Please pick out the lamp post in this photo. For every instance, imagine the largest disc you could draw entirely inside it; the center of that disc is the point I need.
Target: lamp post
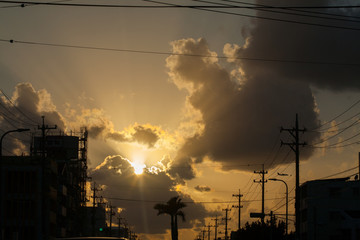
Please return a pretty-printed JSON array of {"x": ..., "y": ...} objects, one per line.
[
  {"x": 1, "y": 188},
  {"x": 287, "y": 201},
  {"x": 15, "y": 130}
]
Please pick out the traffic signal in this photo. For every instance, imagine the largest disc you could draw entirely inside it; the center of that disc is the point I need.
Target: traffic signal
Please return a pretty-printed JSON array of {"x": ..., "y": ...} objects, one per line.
[{"x": 101, "y": 229}]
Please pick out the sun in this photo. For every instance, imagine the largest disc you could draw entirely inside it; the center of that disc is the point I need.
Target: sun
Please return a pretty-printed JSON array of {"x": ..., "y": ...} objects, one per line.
[
  {"x": 138, "y": 168},
  {"x": 138, "y": 163}
]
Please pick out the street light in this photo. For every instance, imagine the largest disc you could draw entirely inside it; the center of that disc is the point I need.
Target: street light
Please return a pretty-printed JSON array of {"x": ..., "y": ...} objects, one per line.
[
  {"x": 287, "y": 200},
  {"x": 15, "y": 130},
  {"x": 1, "y": 188}
]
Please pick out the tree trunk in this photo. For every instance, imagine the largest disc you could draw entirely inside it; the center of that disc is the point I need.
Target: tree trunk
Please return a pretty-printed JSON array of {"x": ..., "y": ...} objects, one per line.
[
  {"x": 172, "y": 228},
  {"x": 176, "y": 235}
]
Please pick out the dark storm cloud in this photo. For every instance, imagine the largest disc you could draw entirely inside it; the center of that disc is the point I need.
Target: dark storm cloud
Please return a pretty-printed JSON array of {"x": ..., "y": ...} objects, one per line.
[
  {"x": 145, "y": 135},
  {"x": 139, "y": 194},
  {"x": 202, "y": 188},
  {"x": 304, "y": 43},
  {"x": 241, "y": 121}
]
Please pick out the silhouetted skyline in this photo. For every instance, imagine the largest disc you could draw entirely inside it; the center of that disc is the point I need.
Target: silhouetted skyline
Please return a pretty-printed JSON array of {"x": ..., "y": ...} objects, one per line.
[{"x": 198, "y": 122}]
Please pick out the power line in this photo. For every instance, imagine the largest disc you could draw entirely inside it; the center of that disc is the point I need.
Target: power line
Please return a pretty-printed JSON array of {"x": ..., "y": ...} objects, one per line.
[
  {"x": 187, "y": 202},
  {"x": 324, "y": 130},
  {"x": 18, "y": 109},
  {"x": 30, "y": 5},
  {"x": 351, "y": 64},
  {"x": 335, "y": 144},
  {"x": 343, "y": 130},
  {"x": 338, "y": 173},
  {"x": 265, "y": 8},
  {"x": 339, "y": 115},
  {"x": 60, "y": 3},
  {"x": 262, "y": 17},
  {"x": 294, "y": 9}
]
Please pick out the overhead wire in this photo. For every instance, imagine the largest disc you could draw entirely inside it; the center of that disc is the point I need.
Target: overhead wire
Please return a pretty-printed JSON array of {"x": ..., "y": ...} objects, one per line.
[
  {"x": 12, "y": 41},
  {"x": 338, "y": 173},
  {"x": 293, "y": 9},
  {"x": 337, "y": 116},
  {"x": 336, "y": 145},
  {"x": 21, "y": 4},
  {"x": 338, "y": 133},
  {"x": 325, "y": 130},
  {"x": 267, "y": 8},
  {"x": 168, "y": 5},
  {"x": 18, "y": 109},
  {"x": 262, "y": 17}
]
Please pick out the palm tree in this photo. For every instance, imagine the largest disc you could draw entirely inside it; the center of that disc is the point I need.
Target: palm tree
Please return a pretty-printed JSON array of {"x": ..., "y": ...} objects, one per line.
[{"x": 173, "y": 208}]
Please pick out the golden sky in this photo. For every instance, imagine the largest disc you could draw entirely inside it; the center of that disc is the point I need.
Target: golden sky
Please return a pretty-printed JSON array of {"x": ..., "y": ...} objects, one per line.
[{"x": 198, "y": 122}]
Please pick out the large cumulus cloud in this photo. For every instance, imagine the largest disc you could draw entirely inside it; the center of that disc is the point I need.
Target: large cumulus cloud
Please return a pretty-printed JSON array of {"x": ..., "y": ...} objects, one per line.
[
  {"x": 137, "y": 194},
  {"x": 241, "y": 117},
  {"x": 273, "y": 40},
  {"x": 24, "y": 109}
]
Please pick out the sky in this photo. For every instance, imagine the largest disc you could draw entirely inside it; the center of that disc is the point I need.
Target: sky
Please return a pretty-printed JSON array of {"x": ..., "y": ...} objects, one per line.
[{"x": 187, "y": 102}]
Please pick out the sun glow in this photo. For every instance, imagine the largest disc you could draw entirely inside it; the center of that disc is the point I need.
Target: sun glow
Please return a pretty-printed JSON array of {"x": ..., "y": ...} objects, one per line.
[
  {"x": 138, "y": 164},
  {"x": 138, "y": 168}
]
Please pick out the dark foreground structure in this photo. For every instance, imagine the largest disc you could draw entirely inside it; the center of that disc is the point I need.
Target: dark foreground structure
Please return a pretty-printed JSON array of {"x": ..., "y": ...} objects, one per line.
[
  {"x": 330, "y": 209},
  {"x": 43, "y": 195}
]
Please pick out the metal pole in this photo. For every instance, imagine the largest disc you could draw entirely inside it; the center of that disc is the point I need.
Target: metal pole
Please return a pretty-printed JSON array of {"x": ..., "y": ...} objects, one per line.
[
  {"x": 287, "y": 201},
  {"x": 2, "y": 191},
  {"x": 297, "y": 188}
]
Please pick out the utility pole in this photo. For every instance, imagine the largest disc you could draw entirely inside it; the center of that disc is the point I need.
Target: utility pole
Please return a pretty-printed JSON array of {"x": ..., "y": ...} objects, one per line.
[
  {"x": 93, "y": 217},
  {"x": 359, "y": 167},
  {"x": 203, "y": 234},
  {"x": 43, "y": 129},
  {"x": 208, "y": 231},
  {"x": 294, "y": 132},
  {"x": 226, "y": 222},
  {"x": 238, "y": 206},
  {"x": 119, "y": 218},
  {"x": 262, "y": 181},
  {"x": 215, "y": 226},
  {"x": 111, "y": 214}
]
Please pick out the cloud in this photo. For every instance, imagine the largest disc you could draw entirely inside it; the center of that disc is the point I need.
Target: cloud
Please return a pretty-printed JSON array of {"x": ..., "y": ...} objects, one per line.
[
  {"x": 24, "y": 109},
  {"x": 303, "y": 43},
  {"x": 137, "y": 194},
  {"x": 202, "y": 188},
  {"x": 145, "y": 135},
  {"x": 241, "y": 117},
  {"x": 101, "y": 127}
]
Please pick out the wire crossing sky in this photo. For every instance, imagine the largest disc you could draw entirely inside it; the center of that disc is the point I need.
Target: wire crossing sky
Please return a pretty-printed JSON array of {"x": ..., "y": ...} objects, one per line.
[{"x": 187, "y": 98}]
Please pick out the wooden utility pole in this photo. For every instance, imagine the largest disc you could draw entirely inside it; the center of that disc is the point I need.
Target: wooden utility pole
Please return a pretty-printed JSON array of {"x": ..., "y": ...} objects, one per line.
[
  {"x": 238, "y": 206},
  {"x": 226, "y": 221},
  {"x": 119, "y": 218},
  {"x": 203, "y": 234},
  {"x": 262, "y": 181},
  {"x": 216, "y": 226},
  {"x": 111, "y": 213},
  {"x": 294, "y": 132},
  {"x": 43, "y": 129},
  {"x": 208, "y": 231}
]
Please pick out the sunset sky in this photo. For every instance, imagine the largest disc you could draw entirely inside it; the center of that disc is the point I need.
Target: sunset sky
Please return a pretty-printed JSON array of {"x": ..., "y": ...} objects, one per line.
[{"x": 196, "y": 123}]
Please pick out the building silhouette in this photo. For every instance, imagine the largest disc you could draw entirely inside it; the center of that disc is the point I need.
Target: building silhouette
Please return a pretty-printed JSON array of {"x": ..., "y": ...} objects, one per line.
[
  {"x": 44, "y": 194},
  {"x": 29, "y": 198},
  {"x": 330, "y": 209}
]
